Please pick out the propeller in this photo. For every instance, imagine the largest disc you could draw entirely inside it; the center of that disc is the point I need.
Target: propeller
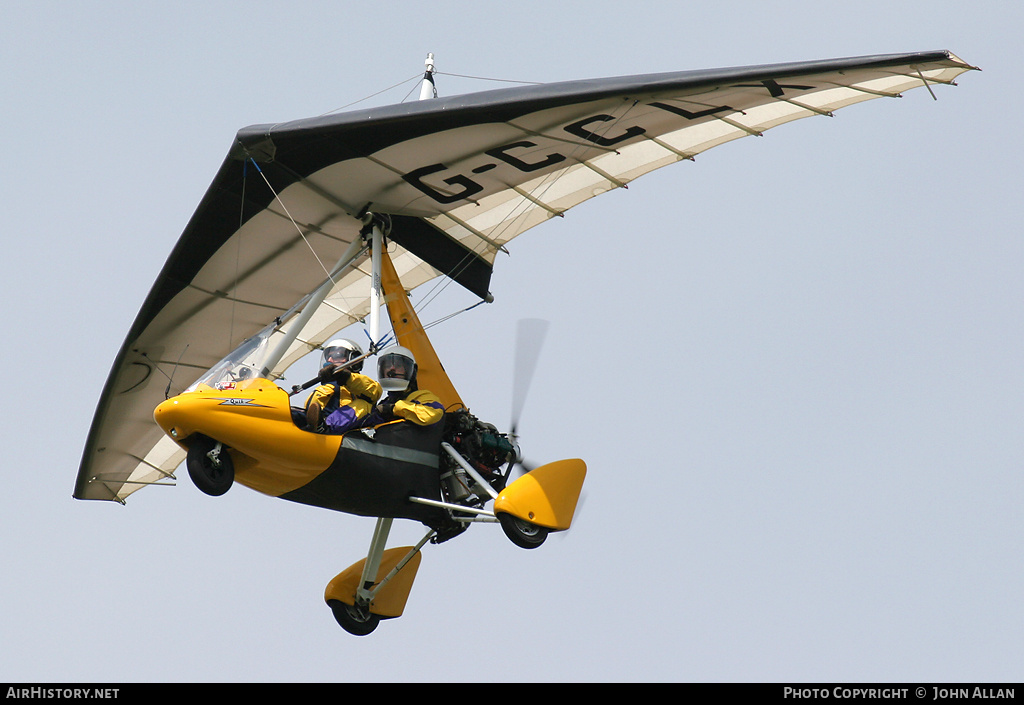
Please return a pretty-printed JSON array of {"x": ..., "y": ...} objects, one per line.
[{"x": 530, "y": 334}]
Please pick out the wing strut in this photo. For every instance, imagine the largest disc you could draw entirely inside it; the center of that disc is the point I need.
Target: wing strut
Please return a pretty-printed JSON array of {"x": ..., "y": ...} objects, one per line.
[
  {"x": 368, "y": 585},
  {"x": 354, "y": 250},
  {"x": 376, "y": 253}
]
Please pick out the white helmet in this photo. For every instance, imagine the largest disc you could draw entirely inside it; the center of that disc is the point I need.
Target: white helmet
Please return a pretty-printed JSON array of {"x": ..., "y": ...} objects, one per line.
[
  {"x": 339, "y": 351},
  {"x": 396, "y": 368}
]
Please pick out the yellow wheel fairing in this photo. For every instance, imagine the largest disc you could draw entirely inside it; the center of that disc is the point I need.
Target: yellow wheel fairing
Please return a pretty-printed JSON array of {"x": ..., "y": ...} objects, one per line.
[
  {"x": 390, "y": 601},
  {"x": 272, "y": 455},
  {"x": 546, "y": 496}
]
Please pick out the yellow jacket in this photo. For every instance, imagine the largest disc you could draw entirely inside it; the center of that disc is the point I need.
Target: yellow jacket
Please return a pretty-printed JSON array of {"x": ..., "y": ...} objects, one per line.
[
  {"x": 421, "y": 407},
  {"x": 336, "y": 407}
]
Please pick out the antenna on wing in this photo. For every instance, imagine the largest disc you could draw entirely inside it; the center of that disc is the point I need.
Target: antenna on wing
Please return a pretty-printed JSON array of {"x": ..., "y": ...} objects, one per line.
[
  {"x": 170, "y": 377},
  {"x": 427, "y": 88}
]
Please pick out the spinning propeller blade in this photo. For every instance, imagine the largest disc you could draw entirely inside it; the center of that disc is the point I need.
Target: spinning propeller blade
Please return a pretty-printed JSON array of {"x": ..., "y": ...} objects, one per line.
[{"x": 530, "y": 334}]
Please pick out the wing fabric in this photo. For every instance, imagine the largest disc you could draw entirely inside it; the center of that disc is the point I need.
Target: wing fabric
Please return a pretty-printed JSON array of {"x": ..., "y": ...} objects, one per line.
[{"x": 459, "y": 178}]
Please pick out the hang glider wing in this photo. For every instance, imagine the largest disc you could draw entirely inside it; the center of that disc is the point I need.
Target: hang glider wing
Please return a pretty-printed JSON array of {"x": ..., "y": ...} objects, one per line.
[{"x": 459, "y": 178}]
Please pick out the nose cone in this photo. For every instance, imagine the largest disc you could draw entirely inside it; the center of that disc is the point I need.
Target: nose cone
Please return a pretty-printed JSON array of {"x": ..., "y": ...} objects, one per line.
[{"x": 172, "y": 416}]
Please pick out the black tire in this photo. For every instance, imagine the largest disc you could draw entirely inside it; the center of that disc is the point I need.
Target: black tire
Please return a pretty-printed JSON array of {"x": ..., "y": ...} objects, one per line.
[
  {"x": 212, "y": 478},
  {"x": 522, "y": 533},
  {"x": 354, "y": 620}
]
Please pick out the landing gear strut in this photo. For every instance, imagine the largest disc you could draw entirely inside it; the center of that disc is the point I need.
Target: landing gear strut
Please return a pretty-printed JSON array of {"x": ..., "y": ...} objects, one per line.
[
  {"x": 210, "y": 466},
  {"x": 353, "y": 619},
  {"x": 522, "y": 533}
]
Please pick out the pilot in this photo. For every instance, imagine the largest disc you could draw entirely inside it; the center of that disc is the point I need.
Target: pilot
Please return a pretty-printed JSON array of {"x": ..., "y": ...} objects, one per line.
[
  {"x": 345, "y": 397},
  {"x": 396, "y": 370}
]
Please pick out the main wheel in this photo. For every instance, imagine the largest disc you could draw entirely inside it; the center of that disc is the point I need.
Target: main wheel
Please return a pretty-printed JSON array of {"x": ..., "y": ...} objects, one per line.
[
  {"x": 354, "y": 620},
  {"x": 522, "y": 533},
  {"x": 213, "y": 475}
]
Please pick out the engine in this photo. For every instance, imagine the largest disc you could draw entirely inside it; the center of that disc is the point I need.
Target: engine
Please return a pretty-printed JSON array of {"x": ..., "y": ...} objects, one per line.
[{"x": 484, "y": 448}]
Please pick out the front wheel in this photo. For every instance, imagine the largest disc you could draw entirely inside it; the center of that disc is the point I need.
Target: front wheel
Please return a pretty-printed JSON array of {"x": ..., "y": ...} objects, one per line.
[
  {"x": 210, "y": 466},
  {"x": 522, "y": 533},
  {"x": 354, "y": 620}
]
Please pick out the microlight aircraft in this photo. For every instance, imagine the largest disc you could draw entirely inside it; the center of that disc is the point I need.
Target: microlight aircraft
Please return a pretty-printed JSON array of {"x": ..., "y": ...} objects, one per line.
[{"x": 395, "y": 197}]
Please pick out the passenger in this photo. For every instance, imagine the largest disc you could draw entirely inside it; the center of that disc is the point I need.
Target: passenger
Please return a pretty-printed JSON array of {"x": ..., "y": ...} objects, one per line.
[
  {"x": 396, "y": 370},
  {"x": 345, "y": 397}
]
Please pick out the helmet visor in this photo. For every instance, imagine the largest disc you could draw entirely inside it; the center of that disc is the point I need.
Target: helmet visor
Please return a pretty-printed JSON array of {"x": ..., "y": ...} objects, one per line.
[
  {"x": 338, "y": 355},
  {"x": 395, "y": 366}
]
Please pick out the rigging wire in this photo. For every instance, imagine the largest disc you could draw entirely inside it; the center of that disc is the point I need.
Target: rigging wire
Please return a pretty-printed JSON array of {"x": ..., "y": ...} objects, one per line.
[
  {"x": 508, "y": 222},
  {"x": 309, "y": 245},
  {"x": 297, "y": 228},
  {"x": 546, "y": 184},
  {"x": 372, "y": 95},
  {"x": 417, "y": 77},
  {"x": 238, "y": 254},
  {"x": 453, "y": 314},
  {"x": 484, "y": 78},
  {"x": 414, "y": 86},
  {"x": 514, "y": 214},
  {"x": 438, "y": 287}
]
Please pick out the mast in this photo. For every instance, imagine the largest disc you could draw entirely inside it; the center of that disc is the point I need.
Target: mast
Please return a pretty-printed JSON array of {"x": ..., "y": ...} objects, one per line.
[
  {"x": 376, "y": 244},
  {"x": 383, "y": 528},
  {"x": 375, "y": 240},
  {"x": 427, "y": 88},
  {"x": 427, "y": 91}
]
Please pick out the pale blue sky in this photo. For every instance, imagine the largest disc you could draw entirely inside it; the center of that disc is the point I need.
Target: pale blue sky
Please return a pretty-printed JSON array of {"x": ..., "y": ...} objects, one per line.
[{"x": 793, "y": 366}]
